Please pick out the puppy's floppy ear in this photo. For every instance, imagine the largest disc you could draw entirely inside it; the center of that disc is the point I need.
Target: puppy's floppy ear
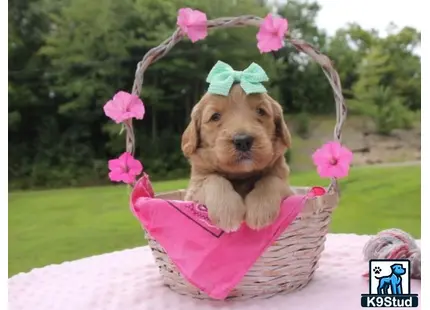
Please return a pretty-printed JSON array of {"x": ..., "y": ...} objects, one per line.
[
  {"x": 191, "y": 135},
  {"x": 281, "y": 127}
]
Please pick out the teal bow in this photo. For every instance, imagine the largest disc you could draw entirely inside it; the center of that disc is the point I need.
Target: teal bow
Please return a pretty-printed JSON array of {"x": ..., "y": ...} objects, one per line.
[{"x": 222, "y": 76}]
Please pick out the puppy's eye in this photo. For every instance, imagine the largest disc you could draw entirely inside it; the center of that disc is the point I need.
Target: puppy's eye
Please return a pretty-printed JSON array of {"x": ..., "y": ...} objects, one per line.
[
  {"x": 261, "y": 112},
  {"x": 215, "y": 117}
]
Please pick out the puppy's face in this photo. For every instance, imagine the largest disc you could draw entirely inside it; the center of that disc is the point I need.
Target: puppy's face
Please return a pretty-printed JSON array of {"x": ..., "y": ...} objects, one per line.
[{"x": 237, "y": 134}]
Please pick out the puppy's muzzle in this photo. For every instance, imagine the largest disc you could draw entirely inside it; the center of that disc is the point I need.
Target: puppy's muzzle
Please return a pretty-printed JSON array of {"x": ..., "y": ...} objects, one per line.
[{"x": 243, "y": 142}]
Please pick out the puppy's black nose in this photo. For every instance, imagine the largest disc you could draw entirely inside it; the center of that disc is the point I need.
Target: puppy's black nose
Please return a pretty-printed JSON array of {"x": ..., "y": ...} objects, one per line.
[{"x": 243, "y": 142}]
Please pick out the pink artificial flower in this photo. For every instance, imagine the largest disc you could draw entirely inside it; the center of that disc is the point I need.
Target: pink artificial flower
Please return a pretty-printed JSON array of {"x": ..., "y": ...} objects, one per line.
[
  {"x": 193, "y": 23},
  {"x": 271, "y": 34},
  {"x": 124, "y": 106},
  {"x": 332, "y": 160},
  {"x": 124, "y": 168}
]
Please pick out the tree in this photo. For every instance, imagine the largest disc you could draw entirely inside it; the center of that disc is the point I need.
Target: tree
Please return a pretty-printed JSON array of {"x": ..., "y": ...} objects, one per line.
[
  {"x": 28, "y": 86},
  {"x": 374, "y": 95},
  {"x": 406, "y": 79},
  {"x": 304, "y": 86}
]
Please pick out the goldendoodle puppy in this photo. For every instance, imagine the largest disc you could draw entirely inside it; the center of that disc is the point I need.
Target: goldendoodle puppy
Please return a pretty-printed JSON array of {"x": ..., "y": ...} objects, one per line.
[{"x": 236, "y": 147}]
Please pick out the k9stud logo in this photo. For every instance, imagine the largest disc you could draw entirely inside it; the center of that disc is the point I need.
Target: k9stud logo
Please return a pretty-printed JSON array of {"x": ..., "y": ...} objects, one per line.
[{"x": 389, "y": 285}]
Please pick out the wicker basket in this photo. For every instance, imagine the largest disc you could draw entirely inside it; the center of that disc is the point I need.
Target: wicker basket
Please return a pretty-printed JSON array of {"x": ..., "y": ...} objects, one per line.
[{"x": 289, "y": 263}]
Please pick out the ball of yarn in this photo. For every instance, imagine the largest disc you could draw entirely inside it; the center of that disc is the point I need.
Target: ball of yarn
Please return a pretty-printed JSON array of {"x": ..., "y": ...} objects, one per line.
[{"x": 394, "y": 244}]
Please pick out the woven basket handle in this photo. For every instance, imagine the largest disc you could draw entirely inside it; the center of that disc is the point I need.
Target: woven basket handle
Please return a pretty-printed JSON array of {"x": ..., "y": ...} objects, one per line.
[{"x": 160, "y": 51}]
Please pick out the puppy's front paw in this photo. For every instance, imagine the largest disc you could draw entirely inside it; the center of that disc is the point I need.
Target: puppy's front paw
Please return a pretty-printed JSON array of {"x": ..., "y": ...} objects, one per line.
[
  {"x": 261, "y": 209},
  {"x": 228, "y": 212}
]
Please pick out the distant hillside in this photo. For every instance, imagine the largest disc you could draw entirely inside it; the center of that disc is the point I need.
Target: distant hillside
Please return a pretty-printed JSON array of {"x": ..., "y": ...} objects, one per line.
[{"x": 358, "y": 135}]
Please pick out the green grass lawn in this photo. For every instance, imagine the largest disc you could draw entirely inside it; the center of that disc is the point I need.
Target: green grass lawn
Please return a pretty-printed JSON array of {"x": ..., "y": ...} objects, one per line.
[{"x": 53, "y": 226}]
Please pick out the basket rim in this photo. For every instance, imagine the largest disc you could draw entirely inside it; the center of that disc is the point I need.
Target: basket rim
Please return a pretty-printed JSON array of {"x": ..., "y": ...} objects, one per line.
[{"x": 313, "y": 204}]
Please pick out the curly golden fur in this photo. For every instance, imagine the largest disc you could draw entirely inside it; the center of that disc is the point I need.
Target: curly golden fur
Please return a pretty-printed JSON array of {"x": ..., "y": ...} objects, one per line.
[{"x": 236, "y": 147}]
